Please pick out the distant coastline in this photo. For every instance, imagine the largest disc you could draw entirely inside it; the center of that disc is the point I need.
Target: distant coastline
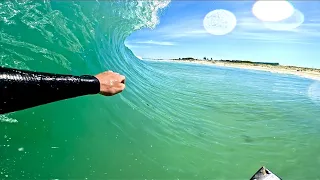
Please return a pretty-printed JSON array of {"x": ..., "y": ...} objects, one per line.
[{"x": 274, "y": 67}]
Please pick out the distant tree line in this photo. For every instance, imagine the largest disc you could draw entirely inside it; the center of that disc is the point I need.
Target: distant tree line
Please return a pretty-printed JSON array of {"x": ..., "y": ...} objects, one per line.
[
  {"x": 231, "y": 61},
  {"x": 250, "y": 62},
  {"x": 187, "y": 58}
]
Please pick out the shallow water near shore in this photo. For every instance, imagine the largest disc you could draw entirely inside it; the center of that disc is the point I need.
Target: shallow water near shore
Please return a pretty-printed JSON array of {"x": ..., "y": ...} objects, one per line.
[{"x": 173, "y": 121}]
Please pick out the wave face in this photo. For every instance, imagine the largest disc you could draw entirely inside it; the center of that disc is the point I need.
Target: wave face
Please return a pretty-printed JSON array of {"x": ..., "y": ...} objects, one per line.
[
  {"x": 173, "y": 121},
  {"x": 77, "y": 38}
]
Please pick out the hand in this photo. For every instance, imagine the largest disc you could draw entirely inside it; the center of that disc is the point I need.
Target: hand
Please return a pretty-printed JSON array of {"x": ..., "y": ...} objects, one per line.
[{"x": 111, "y": 83}]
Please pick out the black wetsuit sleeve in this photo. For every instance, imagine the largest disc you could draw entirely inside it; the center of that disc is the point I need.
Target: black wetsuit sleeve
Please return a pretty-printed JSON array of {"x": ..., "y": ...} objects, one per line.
[{"x": 21, "y": 89}]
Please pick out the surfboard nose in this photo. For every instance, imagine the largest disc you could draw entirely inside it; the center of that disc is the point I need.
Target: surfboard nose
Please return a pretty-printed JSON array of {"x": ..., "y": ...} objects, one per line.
[{"x": 264, "y": 174}]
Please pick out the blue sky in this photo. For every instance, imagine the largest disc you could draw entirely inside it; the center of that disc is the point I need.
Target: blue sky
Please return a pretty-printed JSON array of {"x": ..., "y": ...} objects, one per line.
[{"x": 180, "y": 33}]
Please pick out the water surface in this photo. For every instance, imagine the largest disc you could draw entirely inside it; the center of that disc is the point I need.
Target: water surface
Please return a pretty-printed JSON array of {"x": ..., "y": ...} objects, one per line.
[{"x": 173, "y": 121}]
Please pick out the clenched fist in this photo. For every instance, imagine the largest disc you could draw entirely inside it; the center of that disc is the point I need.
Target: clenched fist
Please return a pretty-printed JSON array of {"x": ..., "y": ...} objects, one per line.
[{"x": 111, "y": 83}]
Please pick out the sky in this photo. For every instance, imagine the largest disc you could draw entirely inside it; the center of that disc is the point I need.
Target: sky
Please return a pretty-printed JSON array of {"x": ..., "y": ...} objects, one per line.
[{"x": 181, "y": 33}]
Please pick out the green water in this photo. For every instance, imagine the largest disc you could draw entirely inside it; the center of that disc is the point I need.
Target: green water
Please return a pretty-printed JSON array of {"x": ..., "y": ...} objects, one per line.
[{"x": 173, "y": 121}]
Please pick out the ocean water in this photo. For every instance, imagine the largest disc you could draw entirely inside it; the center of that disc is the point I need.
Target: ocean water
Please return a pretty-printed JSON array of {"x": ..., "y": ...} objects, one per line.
[{"x": 173, "y": 121}]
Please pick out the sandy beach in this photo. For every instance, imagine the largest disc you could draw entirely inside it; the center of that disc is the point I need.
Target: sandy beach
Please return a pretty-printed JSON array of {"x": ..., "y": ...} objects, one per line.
[{"x": 310, "y": 73}]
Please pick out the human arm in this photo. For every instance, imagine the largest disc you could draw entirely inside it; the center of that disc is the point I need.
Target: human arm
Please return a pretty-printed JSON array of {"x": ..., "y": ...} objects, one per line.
[{"x": 21, "y": 89}]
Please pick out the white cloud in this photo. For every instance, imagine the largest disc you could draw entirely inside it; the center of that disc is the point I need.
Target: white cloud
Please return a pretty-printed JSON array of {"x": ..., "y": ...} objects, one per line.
[
  {"x": 161, "y": 43},
  {"x": 190, "y": 27},
  {"x": 250, "y": 28},
  {"x": 130, "y": 46},
  {"x": 270, "y": 37},
  {"x": 186, "y": 33}
]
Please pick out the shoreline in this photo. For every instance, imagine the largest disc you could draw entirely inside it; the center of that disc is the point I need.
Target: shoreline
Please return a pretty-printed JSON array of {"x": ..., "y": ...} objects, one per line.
[{"x": 308, "y": 73}]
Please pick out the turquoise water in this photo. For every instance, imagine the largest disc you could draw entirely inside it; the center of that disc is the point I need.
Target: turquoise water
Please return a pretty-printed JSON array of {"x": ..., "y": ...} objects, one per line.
[{"x": 173, "y": 121}]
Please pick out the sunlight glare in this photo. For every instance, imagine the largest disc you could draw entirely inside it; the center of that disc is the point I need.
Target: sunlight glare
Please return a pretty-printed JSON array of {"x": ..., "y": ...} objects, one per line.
[
  {"x": 272, "y": 11},
  {"x": 219, "y": 22},
  {"x": 290, "y": 23}
]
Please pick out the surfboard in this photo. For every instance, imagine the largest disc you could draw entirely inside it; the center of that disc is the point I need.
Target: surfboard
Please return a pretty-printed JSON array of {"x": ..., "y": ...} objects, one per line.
[{"x": 264, "y": 174}]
